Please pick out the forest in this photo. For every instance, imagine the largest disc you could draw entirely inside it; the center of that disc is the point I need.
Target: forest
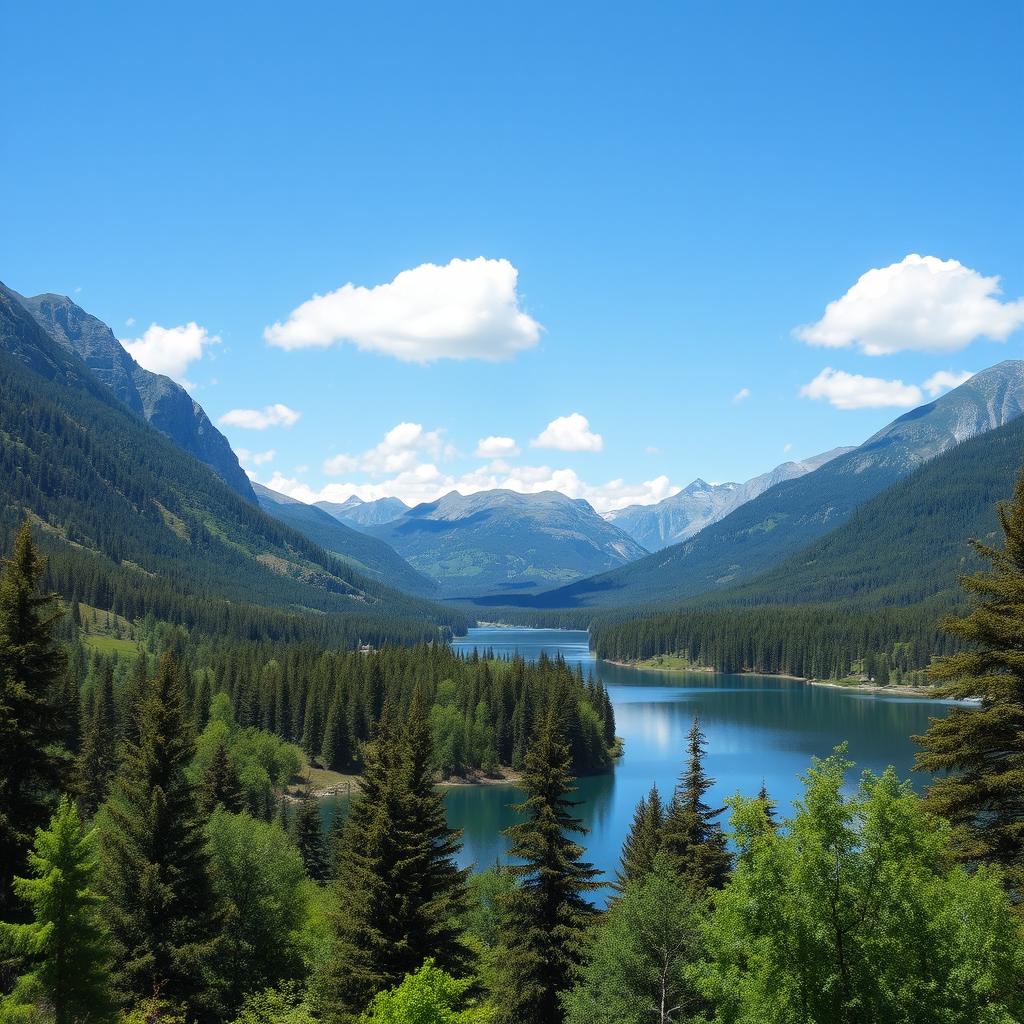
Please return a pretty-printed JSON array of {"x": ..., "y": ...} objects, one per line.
[{"x": 154, "y": 869}]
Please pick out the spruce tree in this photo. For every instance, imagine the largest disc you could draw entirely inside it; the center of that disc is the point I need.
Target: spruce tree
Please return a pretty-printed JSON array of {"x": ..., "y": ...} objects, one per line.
[
  {"x": 978, "y": 752},
  {"x": 644, "y": 841},
  {"x": 309, "y": 839},
  {"x": 398, "y": 890},
  {"x": 693, "y": 838},
  {"x": 97, "y": 759},
  {"x": 544, "y": 922},
  {"x": 66, "y": 944},
  {"x": 32, "y": 665},
  {"x": 221, "y": 786},
  {"x": 163, "y": 915}
]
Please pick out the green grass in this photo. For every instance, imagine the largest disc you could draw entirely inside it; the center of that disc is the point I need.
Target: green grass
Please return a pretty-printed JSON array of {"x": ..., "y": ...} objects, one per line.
[{"x": 110, "y": 645}]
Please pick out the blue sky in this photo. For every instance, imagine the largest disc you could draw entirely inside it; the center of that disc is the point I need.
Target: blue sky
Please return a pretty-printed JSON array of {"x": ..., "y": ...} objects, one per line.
[{"x": 674, "y": 188}]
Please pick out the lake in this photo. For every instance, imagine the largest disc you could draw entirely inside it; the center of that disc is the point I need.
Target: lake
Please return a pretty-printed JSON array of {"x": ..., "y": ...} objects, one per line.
[{"x": 758, "y": 728}]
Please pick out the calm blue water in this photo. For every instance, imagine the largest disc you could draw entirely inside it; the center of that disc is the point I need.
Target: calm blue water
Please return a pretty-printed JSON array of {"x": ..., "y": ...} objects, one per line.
[{"x": 757, "y": 727}]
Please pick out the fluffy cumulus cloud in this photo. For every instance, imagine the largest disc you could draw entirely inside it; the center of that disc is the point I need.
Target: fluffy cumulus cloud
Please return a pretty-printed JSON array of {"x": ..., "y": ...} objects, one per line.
[
  {"x": 921, "y": 303},
  {"x": 496, "y": 448},
  {"x": 742, "y": 395},
  {"x": 944, "y": 380},
  {"x": 854, "y": 391},
  {"x": 570, "y": 433},
  {"x": 466, "y": 309},
  {"x": 248, "y": 458},
  {"x": 276, "y": 415},
  {"x": 170, "y": 350},
  {"x": 401, "y": 450}
]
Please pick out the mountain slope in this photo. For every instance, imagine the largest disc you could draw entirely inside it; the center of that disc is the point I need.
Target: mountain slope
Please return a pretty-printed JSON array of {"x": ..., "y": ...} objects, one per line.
[
  {"x": 788, "y": 516},
  {"x": 359, "y": 514},
  {"x": 135, "y": 525},
  {"x": 364, "y": 553},
  {"x": 700, "y": 504},
  {"x": 499, "y": 542},
  {"x": 157, "y": 399}
]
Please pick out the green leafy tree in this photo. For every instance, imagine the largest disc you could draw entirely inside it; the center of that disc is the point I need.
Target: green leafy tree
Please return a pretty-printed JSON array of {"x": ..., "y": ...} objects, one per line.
[
  {"x": 66, "y": 944},
  {"x": 163, "y": 912},
  {"x": 853, "y": 914},
  {"x": 545, "y": 922},
  {"x": 399, "y": 894},
  {"x": 642, "y": 967},
  {"x": 32, "y": 665},
  {"x": 259, "y": 877},
  {"x": 977, "y": 753},
  {"x": 692, "y": 836},
  {"x": 643, "y": 842},
  {"x": 429, "y": 996}
]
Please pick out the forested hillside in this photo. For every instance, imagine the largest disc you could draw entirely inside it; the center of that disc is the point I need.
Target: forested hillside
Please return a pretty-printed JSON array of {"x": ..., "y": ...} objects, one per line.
[{"x": 137, "y": 526}]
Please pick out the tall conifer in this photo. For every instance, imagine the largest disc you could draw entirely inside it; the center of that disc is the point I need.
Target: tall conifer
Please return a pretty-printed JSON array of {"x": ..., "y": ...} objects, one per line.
[{"x": 644, "y": 841}]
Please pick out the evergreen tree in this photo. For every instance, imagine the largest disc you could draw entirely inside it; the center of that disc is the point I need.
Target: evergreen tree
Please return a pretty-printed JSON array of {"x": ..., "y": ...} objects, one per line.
[
  {"x": 544, "y": 924},
  {"x": 309, "y": 839},
  {"x": 163, "y": 914},
  {"x": 97, "y": 760},
  {"x": 31, "y": 724},
  {"x": 336, "y": 750},
  {"x": 221, "y": 786},
  {"x": 644, "y": 841},
  {"x": 978, "y": 752},
  {"x": 398, "y": 888},
  {"x": 66, "y": 944},
  {"x": 692, "y": 837}
]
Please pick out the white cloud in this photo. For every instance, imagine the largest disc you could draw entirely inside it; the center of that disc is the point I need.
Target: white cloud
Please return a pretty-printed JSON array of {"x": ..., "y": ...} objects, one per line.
[
  {"x": 741, "y": 395},
  {"x": 496, "y": 448},
  {"x": 130, "y": 322},
  {"x": 652, "y": 450},
  {"x": 853, "y": 391},
  {"x": 944, "y": 381},
  {"x": 170, "y": 350},
  {"x": 787, "y": 447},
  {"x": 276, "y": 415},
  {"x": 399, "y": 451},
  {"x": 246, "y": 457},
  {"x": 467, "y": 309},
  {"x": 921, "y": 303},
  {"x": 570, "y": 433}
]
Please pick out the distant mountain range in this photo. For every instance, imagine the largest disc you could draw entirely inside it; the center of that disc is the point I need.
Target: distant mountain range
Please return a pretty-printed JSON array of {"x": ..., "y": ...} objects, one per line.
[
  {"x": 504, "y": 542},
  {"x": 365, "y": 553},
  {"x": 361, "y": 514},
  {"x": 136, "y": 525},
  {"x": 700, "y": 504},
  {"x": 157, "y": 399},
  {"x": 790, "y": 515}
]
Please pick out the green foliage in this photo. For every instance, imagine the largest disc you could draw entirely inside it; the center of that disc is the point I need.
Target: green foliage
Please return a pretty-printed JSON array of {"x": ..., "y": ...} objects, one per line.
[
  {"x": 32, "y": 724},
  {"x": 221, "y": 786},
  {"x": 691, "y": 836},
  {"x": 164, "y": 916},
  {"x": 399, "y": 893},
  {"x": 259, "y": 878},
  {"x": 97, "y": 758},
  {"x": 853, "y": 913},
  {"x": 430, "y": 996},
  {"x": 642, "y": 964},
  {"x": 644, "y": 841},
  {"x": 544, "y": 924},
  {"x": 66, "y": 944},
  {"x": 308, "y": 833},
  {"x": 284, "y": 1005},
  {"x": 488, "y": 892},
  {"x": 978, "y": 752}
]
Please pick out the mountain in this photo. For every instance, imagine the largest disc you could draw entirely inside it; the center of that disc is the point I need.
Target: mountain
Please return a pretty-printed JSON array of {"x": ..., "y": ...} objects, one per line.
[
  {"x": 700, "y": 504},
  {"x": 135, "y": 525},
  {"x": 502, "y": 542},
  {"x": 361, "y": 514},
  {"x": 778, "y": 523},
  {"x": 161, "y": 402},
  {"x": 366, "y": 554}
]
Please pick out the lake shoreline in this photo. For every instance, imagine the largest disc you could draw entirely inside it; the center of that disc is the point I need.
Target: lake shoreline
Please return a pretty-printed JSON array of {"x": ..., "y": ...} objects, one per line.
[{"x": 871, "y": 688}]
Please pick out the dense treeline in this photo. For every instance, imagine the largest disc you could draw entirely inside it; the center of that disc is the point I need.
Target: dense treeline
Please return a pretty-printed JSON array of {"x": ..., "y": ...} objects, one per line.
[{"x": 815, "y": 642}]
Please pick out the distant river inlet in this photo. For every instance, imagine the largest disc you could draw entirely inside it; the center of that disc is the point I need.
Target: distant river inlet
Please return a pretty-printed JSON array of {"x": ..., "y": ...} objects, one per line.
[{"x": 758, "y": 728}]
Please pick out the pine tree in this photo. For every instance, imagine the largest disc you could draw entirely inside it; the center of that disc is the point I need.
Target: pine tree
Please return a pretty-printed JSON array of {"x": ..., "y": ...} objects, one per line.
[
  {"x": 309, "y": 839},
  {"x": 769, "y": 805},
  {"x": 692, "y": 837},
  {"x": 398, "y": 890},
  {"x": 544, "y": 923},
  {"x": 31, "y": 725},
  {"x": 978, "y": 752},
  {"x": 221, "y": 786},
  {"x": 97, "y": 760},
  {"x": 66, "y": 943},
  {"x": 336, "y": 749},
  {"x": 644, "y": 841},
  {"x": 163, "y": 915}
]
